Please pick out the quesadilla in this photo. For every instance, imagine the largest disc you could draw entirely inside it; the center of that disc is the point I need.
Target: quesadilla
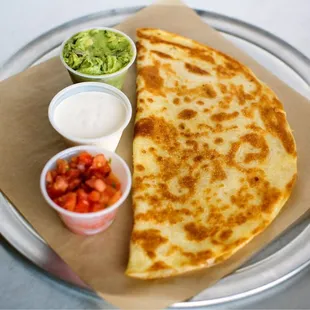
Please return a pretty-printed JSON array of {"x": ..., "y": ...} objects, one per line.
[{"x": 214, "y": 158}]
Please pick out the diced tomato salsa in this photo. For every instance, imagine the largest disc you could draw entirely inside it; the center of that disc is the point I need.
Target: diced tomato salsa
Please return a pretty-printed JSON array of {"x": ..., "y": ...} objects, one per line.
[{"x": 83, "y": 184}]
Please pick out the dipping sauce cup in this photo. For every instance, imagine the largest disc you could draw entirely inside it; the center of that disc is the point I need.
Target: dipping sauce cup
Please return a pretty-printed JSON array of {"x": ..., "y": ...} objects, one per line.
[
  {"x": 90, "y": 113},
  {"x": 116, "y": 78},
  {"x": 95, "y": 222}
]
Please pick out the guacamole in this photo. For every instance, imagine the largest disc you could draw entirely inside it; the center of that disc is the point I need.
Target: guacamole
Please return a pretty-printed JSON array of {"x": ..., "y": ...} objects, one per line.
[{"x": 97, "y": 52}]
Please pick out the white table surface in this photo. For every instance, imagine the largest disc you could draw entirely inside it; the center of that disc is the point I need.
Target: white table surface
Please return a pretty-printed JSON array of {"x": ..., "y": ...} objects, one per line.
[{"x": 22, "y": 285}]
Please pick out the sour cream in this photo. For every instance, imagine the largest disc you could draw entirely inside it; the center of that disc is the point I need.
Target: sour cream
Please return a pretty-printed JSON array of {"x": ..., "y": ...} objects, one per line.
[{"x": 90, "y": 115}]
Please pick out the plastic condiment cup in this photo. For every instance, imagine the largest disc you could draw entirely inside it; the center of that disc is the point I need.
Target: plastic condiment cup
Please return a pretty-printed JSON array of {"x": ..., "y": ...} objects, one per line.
[
  {"x": 116, "y": 79},
  {"x": 109, "y": 141},
  {"x": 95, "y": 222}
]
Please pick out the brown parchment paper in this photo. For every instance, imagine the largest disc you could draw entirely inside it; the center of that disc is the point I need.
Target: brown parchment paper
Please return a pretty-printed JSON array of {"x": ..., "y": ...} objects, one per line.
[{"x": 28, "y": 141}]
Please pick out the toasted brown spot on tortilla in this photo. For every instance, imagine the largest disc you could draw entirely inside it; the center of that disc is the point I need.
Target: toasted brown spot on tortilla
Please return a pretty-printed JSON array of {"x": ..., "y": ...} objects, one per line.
[
  {"x": 176, "y": 101},
  {"x": 270, "y": 196},
  {"x": 242, "y": 96},
  {"x": 224, "y": 73},
  {"x": 218, "y": 173},
  {"x": 161, "y": 54},
  {"x": 168, "y": 69},
  {"x": 187, "y": 181},
  {"x": 187, "y": 99},
  {"x": 196, "y": 70},
  {"x": 160, "y": 265},
  {"x": 198, "y": 158},
  {"x": 167, "y": 215},
  {"x": 149, "y": 240},
  {"x": 248, "y": 112},
  {"x": 242, "y": 198},
  {"x": 140, "y": 167},
  {"x": 226, "y": 234},
  {"x": 222, "y": 116},
  {"x": 256, "y": 141},
  {"x": 140, "y": 47},
  {"x": 260, "y": 228},
  {"x": 208, "y": 91},
  {"x": 199, "y": 102},
  {"x": 218, "y": 140},
  {"x": 196, "y": 232},
  {"x": 187, "y": 114},
  {"x": 182, "y": 126},
  {"x": 275, "y": 123},
  {"x": 255, "y": 128},
  {"x": 291, "y": 183},
  {"x": 152, "y": 79},
  {"x": 141, "y": 57},
  {"x": 150, "y": 100},
  {"x": 158, "y": 130},
  {"x": 144, "y": 127},
  {"x": 198, "y": 258},
  {"x": 196, "y": 53},
  {"x": 223, "y": 88},
  {"x": 225, "y": 102}
]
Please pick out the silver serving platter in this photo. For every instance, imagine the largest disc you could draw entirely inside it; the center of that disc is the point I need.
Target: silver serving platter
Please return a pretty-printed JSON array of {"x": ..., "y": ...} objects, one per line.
[{"x": 279, "y": 261}]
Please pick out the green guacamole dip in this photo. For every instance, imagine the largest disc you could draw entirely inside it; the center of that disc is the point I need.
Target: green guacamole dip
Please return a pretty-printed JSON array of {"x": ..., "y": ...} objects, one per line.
[{"x": 97, "y": 52}]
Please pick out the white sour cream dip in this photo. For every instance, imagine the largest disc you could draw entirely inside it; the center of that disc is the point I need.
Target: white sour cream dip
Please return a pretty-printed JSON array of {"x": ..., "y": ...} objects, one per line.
[{"x": 90, "y": 115}]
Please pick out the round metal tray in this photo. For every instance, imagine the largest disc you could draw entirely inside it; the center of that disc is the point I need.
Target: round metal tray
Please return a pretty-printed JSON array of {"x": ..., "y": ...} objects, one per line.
[{"x": 279, "y": 261}]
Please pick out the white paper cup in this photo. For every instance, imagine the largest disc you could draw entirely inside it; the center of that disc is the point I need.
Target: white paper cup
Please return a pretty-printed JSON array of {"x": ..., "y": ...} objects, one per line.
[
  {"x": 95, "y": 222},
  {"x": 116, "y": 79},
  {"x": 108, "y": 142}
]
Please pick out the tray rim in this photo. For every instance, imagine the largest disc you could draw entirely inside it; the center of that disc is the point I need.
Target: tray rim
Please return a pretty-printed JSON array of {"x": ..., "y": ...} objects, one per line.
[{"x": 272, "y": 41}]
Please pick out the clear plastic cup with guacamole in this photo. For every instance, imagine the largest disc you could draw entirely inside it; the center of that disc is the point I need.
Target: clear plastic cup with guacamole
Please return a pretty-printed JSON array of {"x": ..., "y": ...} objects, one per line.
[{"x": 98, "y": 54}]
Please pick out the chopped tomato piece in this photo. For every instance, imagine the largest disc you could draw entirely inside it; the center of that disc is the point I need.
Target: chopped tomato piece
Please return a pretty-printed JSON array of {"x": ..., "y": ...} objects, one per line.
[
  {"x": 99, "y": 161},
  {"x": 74, "y": 184},
  {"x": 73, "y": 165},
  {"x": 115, "y": 198},
  {"x": 81, "y": 194},
  {"x": 74, "y": 160},
  {"x": 96, "y": 174},
  {"x": 110, "y": 191},
  {"x": 104, "y": 198},
  {"x": 49, "y": 177},
  {"x": 61, "y": 183},
  {"x": 69, "y": 201},
  {"x": 94, "y": 196},
  {"x": 97, "y": 184},
  {"x": 105, "y": 170},
  {"x": 85, "y": 158},
  {"x": 54, "y": 174},
  {"x": 113, "y": 181},
  {"x": 82, "y": 206},
  {"x": 73, "y": 173},
  {"x": 102, "y": 172},
  {"x": 81, "y": 167},
  {"x": 62, "y": 166},
  {"x": 53, "y": 192}
]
